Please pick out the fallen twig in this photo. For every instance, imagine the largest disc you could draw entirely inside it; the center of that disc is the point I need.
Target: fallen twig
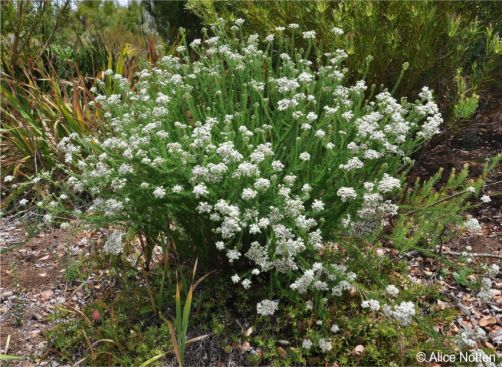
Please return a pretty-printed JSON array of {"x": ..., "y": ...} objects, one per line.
[
  {"x": 473, "y": 254},
  {"x": 452, "y": 253},
  {"x": 458, "y": 304}
]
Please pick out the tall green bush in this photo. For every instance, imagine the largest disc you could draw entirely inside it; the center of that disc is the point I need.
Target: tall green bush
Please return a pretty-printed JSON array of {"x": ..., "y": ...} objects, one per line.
[
  {"x": 435, "y": 38},
  {"x": 251, "y": 161}
]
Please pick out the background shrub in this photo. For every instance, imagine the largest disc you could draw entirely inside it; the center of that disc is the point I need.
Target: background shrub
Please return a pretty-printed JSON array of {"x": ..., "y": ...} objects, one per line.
[{"x": 435, "y": 38}]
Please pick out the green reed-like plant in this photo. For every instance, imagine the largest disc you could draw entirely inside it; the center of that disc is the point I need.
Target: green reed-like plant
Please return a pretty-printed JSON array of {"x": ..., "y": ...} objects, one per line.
[
  {"x": 35, "y": 120},
  {"x": 179, "y": 331}
]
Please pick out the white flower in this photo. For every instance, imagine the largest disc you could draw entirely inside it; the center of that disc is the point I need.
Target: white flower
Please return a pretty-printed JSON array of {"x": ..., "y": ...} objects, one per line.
[
  {"x": 346, "y": 193},
  {"x": 48, "y": 218},
  {"x": 267, "y": 307},
  {"x": 312, "y": 116},
  {"x": 113, "y": 244},
  {"x": 320, "y": 134},
  {"x": 352, "y": 164},
  {"x": 293, "y": 26},
  {"x": 305, "y": 156},
  {"x": 289, "y": 180},
  {"x": 372, "y": 304},
  {"x": 306, "y": 188},
  {"x": 177, "y": 188},
  {"x": 392, "y": 290},
  {"x": 307, "y": 344},
  {"x": 403, "y": 313},
  {"x": 389, "y": 183},
  {"x": 317, "y": 205},
  {"x": 262, "y": 184},
  {"x": 246, "y": 283},
  {"x": 196, "y": 42},
  {"x": 325, "y": 345},
  {"x": 8, "y": 178},
  {"x": 248, "y": 194},
  {"x": 485, "y": 199},
  {"x": 472, "y": 225},
  {"x": 233, "y": 255},
  {"x": 335, "y": 328},
  {"x": 236, "y": 278},
  {"x": 337, "y": 31},
  {"x": 159, "y": 192},
  {"x": 220, "y": 245},
  {"x": 23, "y": 202},
  {"x": 493, "y": 270},
  {"x": 200, "y": 190},
  {"x": 309, "y": 35},
  {"x": 471, "y": 189},
  {"x": 204, "y": 207},
  {"x": 277, "y": 166},
  {"x": 284, "y": 104},
  {"x": 306, "y": 78},
  {"x": 239, "y": 22}
]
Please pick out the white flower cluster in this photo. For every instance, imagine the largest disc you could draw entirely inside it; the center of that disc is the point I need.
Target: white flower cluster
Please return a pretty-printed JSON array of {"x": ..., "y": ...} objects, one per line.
[
  {"x": 372, "y": 304},
  {"x": 392, "y": 290},
  {"x": 472, "y": 225},
  {"x": 469, "y": 337},
  {"x": 485, "y": 294},
  {"x": 403, "y": 312},
  {"x": 113, "y": 244},
  {"x": 267, "y": 307}
]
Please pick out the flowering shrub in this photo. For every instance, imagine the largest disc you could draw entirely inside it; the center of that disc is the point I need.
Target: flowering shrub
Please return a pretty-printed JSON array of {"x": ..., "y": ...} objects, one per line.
[{"x": 256, "y": 157}]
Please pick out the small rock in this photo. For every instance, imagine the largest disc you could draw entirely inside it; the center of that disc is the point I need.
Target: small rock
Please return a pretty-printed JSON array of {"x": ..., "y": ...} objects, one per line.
[
  {"x": 487, "y": 320},
  {"x": 6, "y": 295},
  {"x": 358, "y": 350},
  {"x": 45, "y": 295}
]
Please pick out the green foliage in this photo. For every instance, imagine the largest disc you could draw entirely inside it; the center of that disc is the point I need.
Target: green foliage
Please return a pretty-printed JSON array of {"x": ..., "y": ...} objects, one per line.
[
  {"x": 120, "y": 334},
  {"x": 72, "y": 271},
  {"x": 181, "y": 322},
  {"x": 431, "y": 215},
  {"x": 8, "y": 357},
  {"x": 435, "y": 38},
  {"x": 75, "y": 41},
  {"x": 34, "y": 121},
  {"x": 27, "y": 28},
  {"x": 426, "y": 211},
  {"x": 230, "y": 313},
  {"x": 169, "y": 16}
]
